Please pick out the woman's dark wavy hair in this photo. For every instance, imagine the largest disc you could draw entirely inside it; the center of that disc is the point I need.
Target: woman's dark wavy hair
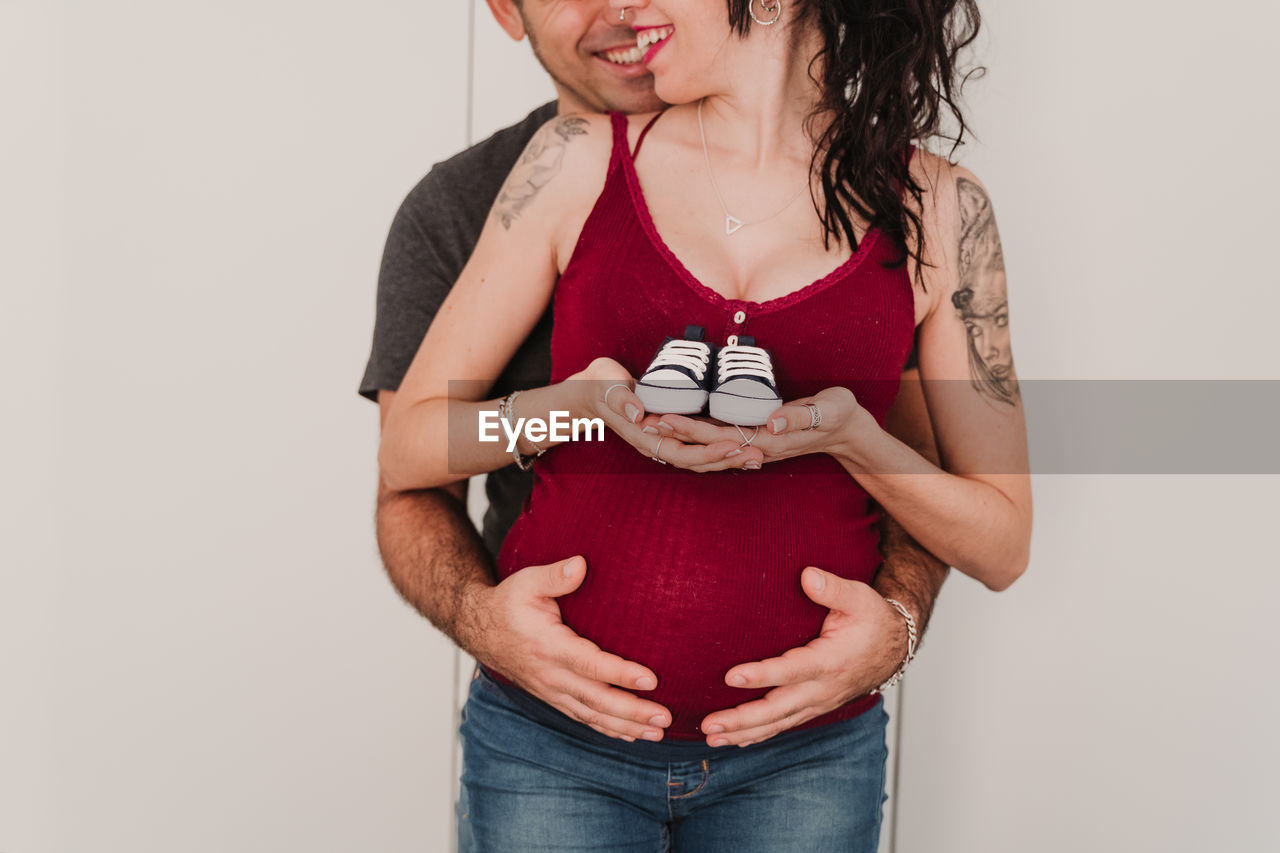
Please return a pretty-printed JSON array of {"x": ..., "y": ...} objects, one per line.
[{"x": 887, "y": 70}]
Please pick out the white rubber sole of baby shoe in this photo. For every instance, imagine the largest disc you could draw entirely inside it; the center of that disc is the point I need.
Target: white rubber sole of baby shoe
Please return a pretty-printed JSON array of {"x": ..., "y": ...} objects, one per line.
[
  {"x": 660, "y": 400},
  {"x": 743, "y": 411}
]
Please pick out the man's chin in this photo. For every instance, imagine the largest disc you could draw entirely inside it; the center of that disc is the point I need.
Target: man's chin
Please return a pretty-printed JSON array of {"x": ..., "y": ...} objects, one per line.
[{"x": 639, "y": 98}]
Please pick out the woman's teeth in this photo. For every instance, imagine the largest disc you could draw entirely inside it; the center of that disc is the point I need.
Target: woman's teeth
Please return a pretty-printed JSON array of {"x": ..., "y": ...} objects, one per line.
[{"x": 645, "y": 38}]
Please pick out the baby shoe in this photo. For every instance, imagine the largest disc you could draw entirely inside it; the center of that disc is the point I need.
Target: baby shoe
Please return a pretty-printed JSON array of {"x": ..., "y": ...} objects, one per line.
[
  {"x": 744, "y": 392},
  {"x": 678, "y": 379}
]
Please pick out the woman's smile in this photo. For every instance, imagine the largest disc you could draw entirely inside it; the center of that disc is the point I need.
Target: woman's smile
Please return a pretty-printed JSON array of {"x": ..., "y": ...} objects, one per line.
[{"x": 656, "y": 36}]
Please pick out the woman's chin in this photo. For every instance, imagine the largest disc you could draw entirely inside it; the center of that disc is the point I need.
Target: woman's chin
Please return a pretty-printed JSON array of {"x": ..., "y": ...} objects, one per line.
[{"x": 675, "y": 91}]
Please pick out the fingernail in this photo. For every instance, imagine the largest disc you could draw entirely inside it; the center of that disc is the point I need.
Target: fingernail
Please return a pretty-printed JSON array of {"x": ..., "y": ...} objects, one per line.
[
  {"x": 819, "y": 582},
  {"x": 779, "y": 424},
  {"x": 719, "y": 741},
  {"x": 753, "y": 465},
  {"x": 657, "y": 720},
  {"x": 746, "y": 743},
  {"x": 644, "y": 682},
  {"x": 651, "y": 430},
  {"x": 666, "y": 425},
  {"x": 632, "y": 412},
  {"x": 733, "y": 452},
  {"x": 628, "y": 738},
  {"x": 738, "y": 681},
  {"x": 716, "y": 729},
  {"x": 653, "y": 735}
]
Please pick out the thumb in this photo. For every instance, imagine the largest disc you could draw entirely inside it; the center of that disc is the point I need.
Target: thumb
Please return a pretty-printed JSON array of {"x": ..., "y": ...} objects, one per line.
[
  {"x": 824, "y": 588},
  {"x": 563, "y": 577}
]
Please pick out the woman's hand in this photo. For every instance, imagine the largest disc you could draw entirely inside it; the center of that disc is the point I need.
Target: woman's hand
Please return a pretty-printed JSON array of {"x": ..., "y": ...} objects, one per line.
[
  {"x": 841, "y": 421},
  {"x": 604, "y": 390}
]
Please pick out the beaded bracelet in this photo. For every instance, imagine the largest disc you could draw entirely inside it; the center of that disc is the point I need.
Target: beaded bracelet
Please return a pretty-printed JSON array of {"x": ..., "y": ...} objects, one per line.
[
  {"x": 524, "y": 463},
  {"x": 911, "y": 648}
]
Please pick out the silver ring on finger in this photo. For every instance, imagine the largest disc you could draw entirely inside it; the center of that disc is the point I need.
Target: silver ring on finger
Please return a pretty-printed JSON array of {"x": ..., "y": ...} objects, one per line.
[
  {"x": 658, "y": 447},
  {"x": 611, "y": 387},
  {"x": 815, "y": 416}
]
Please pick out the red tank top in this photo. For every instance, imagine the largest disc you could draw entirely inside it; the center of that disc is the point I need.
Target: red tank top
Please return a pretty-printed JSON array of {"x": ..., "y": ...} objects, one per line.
[{"x": 692, "y": 573}]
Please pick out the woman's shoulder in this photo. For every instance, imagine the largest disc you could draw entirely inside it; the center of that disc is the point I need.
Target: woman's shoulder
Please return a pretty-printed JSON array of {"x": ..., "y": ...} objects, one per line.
[
  {"x": 593, "y": 134},
  {"x": 958, "y": 220},
  {"x": 562, "y": 167},
  {"x": 576, "y": 139},
  {"x": 947, "y": 188},
  {"x": 565, "y": 165}
]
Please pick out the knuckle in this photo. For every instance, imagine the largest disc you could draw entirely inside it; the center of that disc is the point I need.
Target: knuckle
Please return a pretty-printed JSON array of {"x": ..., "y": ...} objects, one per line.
[
  {"x": 590, "y": 667},
  {"x": 586, "y": 696},
  {"x": 539, "y": 654}
]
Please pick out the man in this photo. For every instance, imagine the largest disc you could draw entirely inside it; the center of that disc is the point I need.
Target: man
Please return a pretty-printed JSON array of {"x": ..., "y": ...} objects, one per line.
[{"x": 432, "y": 552}]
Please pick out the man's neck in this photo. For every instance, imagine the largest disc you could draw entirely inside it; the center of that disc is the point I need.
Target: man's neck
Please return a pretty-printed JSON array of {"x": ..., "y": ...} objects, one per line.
[{"x": 567, "y": 102}]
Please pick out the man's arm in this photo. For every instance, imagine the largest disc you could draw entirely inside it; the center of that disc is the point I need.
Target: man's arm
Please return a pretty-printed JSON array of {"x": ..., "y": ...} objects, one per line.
[
  {"x": 433, "y": 555},
  {"x": 910, "y": 574}
]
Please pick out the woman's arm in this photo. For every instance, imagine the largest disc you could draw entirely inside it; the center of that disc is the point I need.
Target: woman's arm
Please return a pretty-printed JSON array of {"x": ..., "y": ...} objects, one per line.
[
  {"x": 432, "y": 431},
  {"x": 977, "y": 517},
  {"x": 431, "y": 437}
]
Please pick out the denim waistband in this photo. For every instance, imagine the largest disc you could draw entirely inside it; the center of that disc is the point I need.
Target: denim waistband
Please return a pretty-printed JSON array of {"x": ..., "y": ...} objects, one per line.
[{"x": 660, "y": 751}]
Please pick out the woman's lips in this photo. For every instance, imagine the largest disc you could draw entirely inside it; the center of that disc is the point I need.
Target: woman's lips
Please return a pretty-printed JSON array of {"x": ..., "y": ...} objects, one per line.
[{"x": 651, "y": 52}]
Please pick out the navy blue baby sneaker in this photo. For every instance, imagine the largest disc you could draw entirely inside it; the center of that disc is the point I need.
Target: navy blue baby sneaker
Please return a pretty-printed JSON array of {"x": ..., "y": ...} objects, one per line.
[{"x": 678, "y": 380}]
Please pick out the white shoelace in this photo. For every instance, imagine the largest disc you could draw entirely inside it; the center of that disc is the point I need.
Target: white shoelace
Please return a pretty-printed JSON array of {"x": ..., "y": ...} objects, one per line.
[
  {"x": 690, "y": 354},
  {"x": 740, "y": 360}
]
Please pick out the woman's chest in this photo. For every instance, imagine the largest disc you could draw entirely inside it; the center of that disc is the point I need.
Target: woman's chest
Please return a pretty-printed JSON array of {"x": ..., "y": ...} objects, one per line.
[
  {"x": 763, "y": 260},
  {"x": 748, "y": 257}
]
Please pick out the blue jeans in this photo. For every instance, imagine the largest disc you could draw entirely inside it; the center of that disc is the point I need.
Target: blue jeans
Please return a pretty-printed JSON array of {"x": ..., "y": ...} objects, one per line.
[{"x": 535, "y": 779}]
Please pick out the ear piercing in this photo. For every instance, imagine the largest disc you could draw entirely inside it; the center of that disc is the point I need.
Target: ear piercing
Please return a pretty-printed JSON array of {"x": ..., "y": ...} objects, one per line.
[{"x": 775, "y": 9}]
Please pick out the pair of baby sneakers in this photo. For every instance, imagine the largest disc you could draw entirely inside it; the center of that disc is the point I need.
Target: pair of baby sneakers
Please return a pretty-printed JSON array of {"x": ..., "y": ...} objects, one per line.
[{"x": 734, "y": 382}]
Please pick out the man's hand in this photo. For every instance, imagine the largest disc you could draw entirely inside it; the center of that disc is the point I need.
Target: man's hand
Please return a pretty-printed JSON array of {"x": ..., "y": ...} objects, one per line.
[
  {"x": 438, "y": 564},
  {"x": 525, "y": 639},
  {"x": 862, "y": 644}
]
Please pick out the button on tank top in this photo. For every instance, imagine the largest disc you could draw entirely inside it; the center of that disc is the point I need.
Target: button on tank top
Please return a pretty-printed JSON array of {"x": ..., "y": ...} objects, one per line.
[{"x": 693, "y": 573}]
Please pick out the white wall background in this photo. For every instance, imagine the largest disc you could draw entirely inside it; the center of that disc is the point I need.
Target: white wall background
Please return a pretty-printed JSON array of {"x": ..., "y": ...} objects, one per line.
[{"x": 198, "y": 649}]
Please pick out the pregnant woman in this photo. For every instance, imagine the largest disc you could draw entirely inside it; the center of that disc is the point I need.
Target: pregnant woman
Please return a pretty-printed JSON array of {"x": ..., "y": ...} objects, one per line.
[{"x": 698, "y": 533}]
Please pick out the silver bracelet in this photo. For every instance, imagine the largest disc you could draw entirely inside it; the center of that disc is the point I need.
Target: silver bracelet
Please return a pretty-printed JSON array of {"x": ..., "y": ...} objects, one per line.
[
  {"x": 524, "y": 463},
  {"x": 911, "y": 648}
]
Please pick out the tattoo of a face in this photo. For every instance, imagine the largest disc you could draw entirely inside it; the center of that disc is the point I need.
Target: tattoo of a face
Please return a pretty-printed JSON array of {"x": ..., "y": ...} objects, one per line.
[
  {"x": 982, "y": 297},
  {"x": 537, "y": 166}
]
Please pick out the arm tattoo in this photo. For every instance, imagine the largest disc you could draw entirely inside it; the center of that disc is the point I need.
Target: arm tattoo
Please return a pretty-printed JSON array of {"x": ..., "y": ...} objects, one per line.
[
  {"x": 982, "y": 297},
  {"x": 537, "y": 166}
]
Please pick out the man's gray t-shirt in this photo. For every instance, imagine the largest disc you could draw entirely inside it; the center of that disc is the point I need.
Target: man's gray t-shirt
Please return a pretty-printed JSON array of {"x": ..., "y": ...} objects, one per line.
[{"x": 431, "y": 238}]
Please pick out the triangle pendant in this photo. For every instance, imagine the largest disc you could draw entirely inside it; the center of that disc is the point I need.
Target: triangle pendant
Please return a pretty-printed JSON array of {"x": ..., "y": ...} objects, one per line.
[{"x": 731, "y": 224}]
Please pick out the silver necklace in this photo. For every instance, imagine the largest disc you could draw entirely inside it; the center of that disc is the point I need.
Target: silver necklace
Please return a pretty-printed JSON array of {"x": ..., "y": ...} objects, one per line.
[{"x": 731, "y": 222}]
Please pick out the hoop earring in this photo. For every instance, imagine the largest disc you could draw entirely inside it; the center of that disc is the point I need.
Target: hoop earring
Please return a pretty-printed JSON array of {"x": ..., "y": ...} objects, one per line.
[{"x": 775, "y": 9}]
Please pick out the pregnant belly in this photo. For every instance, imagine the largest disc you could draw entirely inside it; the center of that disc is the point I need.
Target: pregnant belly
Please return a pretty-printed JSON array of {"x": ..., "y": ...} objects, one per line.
[{"x": 691, "y": 574}]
